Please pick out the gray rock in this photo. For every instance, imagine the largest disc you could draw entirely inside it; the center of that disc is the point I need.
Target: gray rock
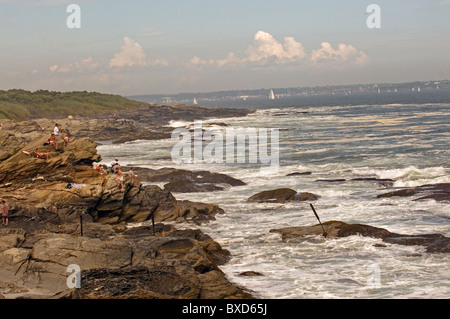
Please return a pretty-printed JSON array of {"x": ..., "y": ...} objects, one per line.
[
  {"x": 282, "y": 195},
  {"x": 435, "y": 243}
]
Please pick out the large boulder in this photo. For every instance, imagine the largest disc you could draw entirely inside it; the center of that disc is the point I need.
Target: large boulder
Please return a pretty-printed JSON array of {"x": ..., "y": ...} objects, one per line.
[
  {"x": 282, "y": 195},
  {"x": 184, "y": 181},
  {"x": 399, "y": 193}
]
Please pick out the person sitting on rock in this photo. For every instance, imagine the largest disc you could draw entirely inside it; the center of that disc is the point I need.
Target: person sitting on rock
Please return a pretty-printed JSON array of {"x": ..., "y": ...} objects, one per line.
[
  {"x": 98, "y": 167},
  {"x": 65, "y": 137},
  {"x": 56, "y": 130},
  {"x": 47, "y": 155},
  {"x": 133, "y": 176},
  {"x": 115, "y": 166},
  {"x": 119, "y": 179}
]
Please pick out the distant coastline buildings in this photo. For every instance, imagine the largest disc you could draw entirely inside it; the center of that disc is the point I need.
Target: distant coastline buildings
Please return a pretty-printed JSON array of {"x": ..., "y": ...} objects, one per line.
[{"x": 245, "y": 95}]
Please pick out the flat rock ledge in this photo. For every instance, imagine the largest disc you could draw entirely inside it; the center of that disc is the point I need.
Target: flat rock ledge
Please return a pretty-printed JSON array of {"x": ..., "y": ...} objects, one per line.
[
  {"x": 439, "y": 192},
  {"x": 184, "y": 181},
  {"x": 434, "y": 243}
]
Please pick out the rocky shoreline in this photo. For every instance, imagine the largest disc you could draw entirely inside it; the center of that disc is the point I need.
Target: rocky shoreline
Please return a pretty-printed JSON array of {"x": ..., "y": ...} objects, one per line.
[
  {"x": 109, "y": 233},
  {"x": 53, "y": 226}
]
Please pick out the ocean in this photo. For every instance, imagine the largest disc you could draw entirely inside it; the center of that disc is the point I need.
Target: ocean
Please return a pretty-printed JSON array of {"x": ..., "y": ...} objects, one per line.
[{"x": 339, "y": 142}]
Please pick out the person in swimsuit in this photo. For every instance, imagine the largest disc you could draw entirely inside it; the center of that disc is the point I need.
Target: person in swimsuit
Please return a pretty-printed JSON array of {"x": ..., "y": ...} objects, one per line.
[
  {"x": 53, "y": 141},
  {"x": 47, "y": 155}
]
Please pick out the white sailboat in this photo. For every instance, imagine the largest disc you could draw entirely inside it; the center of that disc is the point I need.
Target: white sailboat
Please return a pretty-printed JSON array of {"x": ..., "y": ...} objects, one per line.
[
  {"x": 271, "y": 95},
  {"x": 195, "y": 101}
]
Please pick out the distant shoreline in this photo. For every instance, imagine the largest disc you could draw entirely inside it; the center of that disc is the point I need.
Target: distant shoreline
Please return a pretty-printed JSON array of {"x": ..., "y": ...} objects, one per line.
[{"x": 226, "y": 96}]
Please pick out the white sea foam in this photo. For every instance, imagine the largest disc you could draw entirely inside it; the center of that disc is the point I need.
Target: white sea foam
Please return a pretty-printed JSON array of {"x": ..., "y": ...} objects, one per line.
[{"x": 178, "y": 123}]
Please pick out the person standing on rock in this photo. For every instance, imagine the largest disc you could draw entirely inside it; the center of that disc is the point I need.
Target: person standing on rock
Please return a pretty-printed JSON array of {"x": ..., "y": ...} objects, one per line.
[
  {"x": 119, "y": 179},
  {"x": 4, "y": 213}
]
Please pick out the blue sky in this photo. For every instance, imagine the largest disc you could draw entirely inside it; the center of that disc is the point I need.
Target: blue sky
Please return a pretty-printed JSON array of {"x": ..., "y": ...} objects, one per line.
[{"x": 145, "y": 47}]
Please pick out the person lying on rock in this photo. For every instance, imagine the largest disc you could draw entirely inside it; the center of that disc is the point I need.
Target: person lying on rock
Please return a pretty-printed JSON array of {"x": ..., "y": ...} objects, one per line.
[
  {"x": 53, "y": 141},
  {"x": 39, "y": 154}
]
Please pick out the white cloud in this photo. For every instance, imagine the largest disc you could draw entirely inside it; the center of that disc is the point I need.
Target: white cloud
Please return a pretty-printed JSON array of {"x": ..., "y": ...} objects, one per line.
[
  {"x": 53, "y": 68},
  {"x": 267, "y": 50},
  {"x": 159, "y": 62},
  {"x": 86, "y": 64},
  {"x": 60, "y": 69},
  {"x": 132, "y": 54},
  {"x": 266, "y": 47},
  {"x": 230, "y": 59},
  {"x": 343, "y": 53}
]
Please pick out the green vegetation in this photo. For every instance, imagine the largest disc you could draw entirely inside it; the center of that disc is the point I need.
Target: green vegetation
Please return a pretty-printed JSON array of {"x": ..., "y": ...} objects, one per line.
[{"x": 19, "y": 104}]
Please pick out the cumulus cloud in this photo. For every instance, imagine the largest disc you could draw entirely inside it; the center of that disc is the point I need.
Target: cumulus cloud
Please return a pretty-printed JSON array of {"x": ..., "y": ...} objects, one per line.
[
  {"x": 132, "y": 54},
  {"x": 265, "y": 49},
  {"x": 344, "y": 52},
  {"x": 229, "y": 59},
  {"x": 86, "y": 64},
  {"x": 60, "y": 69}
]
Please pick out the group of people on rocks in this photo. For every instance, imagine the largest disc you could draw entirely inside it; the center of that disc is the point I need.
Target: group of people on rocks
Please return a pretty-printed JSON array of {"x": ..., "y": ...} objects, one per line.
[
  {"x": 115, "y": 168},
  {"x": 57, "y": 132},
  {"x": 51, "y": 141}
]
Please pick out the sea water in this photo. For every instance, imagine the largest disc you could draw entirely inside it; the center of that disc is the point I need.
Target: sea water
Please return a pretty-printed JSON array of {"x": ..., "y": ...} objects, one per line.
[{"x": 335, "y": 143}]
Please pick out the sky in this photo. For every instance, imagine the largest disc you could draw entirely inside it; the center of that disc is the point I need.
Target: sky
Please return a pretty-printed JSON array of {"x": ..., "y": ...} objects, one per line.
[{"x": 138, "y": 47}]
